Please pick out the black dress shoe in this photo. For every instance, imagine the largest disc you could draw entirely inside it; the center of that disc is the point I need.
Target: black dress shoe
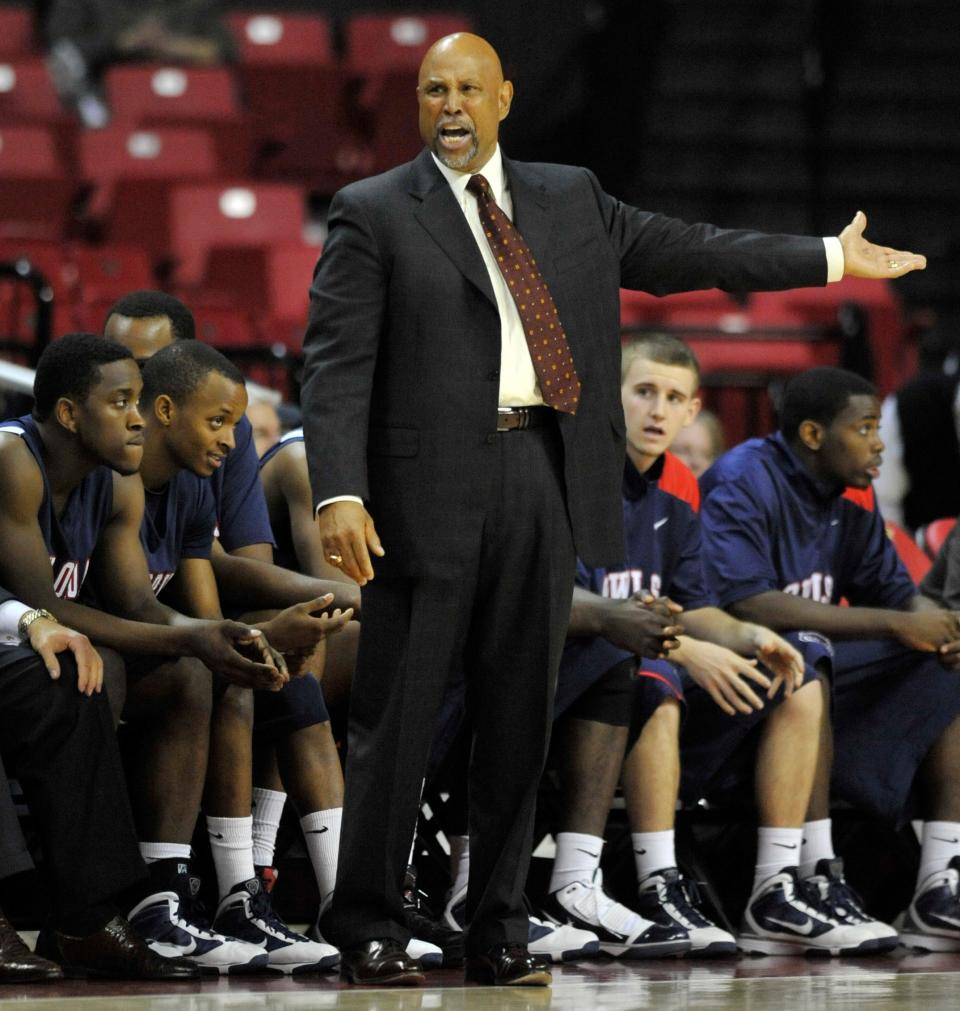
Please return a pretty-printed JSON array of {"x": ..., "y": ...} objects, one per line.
[
  {"x": 380, "y": 962},
  {"x": 508, "y": 965},
  {"x": 18, "y": 964},
  {"x": 116, "y": 951}
]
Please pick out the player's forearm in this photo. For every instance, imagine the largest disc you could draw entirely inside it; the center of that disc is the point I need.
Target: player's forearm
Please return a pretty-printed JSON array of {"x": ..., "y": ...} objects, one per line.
[
  {"x": 783, "y": 612},
  {"x": 249, "y": 584},
  {"x": 123, "y": 634},
  {"x": 588, "y": 613},
  {"x": 716, "y": 626}
]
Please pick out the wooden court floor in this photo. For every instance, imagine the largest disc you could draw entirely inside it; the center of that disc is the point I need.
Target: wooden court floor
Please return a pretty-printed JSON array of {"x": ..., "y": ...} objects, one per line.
[{"x": 890, "y": 983}]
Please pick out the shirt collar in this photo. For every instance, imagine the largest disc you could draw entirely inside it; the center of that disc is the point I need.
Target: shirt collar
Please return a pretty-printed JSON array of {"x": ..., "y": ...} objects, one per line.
[
  {"x": 492, "y": 171},
  {"x": 823, "y": 491},
  {"x": 635, "y": 484}
]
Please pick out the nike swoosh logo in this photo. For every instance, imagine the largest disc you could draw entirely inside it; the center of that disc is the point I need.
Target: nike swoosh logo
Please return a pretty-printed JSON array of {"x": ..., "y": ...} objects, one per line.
[
  {"x": 941, "y": 839},
  {"x": 318, "y": 831},
  {"x": 786, "y": 846},
  {"x": 951, "y": 920},
  {"x": 168, "y": 950},
  {"x": 589, "y": 854},
  {"x": 833, "y": 523},
  {"x": 640, "y": 853},
  {"x": 806, "y": 928},
  {"x": 659, "y": 523},
  {"x": 216, "y": 835}
]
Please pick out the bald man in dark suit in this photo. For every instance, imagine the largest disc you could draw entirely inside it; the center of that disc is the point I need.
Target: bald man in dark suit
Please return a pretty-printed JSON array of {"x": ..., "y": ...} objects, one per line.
[{"x": 434, "y": 447}]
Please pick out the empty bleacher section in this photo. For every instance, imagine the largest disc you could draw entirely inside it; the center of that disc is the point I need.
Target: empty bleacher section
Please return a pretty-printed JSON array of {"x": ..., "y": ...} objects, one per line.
[{"x": 211, "y": 181}]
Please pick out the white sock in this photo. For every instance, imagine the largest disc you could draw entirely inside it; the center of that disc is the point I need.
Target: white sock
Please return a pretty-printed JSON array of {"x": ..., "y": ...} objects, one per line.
[
  {"x": 776, "y": 848},
  {"x": 653, "y": 851},
  {"x": 267, "y": 809},
  {"x": 578, "y": 856},
  {"x": 941, "y": 843},
  {"x": 459, "y": 863},
  {"x": 151, "y": 852},
  {"x": 817, "y": 845},
  {"x": 231, "y": 843},
  {"x": 321, "y": 830}
]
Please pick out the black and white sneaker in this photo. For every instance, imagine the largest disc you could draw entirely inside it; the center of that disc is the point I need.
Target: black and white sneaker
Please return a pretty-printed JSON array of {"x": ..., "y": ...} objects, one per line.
[
  {"x": 425, "y": 927},
  {"x": 247, "y": 913},
  {"x": 784, "y": 916},
  {"x": 620, "y": 930},
  {"x": 845, "y": 906},
  {"x": 668, "y": 898},
  {"x": 173, "y": 925},
  {"x": 932, "y": 920}
]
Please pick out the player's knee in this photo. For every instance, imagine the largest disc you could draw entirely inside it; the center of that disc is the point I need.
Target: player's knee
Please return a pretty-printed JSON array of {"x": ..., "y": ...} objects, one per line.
[
  {"x": 234, "y": 706},
  {"x": 189, "y": 692},
  {"x": 665, "y": 719},
  {"x": 805, "y": 705}
]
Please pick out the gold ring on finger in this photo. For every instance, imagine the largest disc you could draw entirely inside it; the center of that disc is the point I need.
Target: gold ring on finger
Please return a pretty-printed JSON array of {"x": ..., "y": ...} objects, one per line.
[{"x": 335, "y": 559}]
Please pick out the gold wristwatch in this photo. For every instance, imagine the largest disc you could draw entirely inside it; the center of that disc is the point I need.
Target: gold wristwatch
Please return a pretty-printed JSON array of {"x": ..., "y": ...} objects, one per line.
[{"x": 28, "y": 618}]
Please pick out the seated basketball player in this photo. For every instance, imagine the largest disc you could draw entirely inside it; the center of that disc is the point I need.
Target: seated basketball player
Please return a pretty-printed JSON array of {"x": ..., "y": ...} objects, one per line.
[
  {"x": 74, "y": 503},
  {"x": 734, "y": 697},
  {"x": 782, "y": 546},
  {"x": 57, "y": 735},
  {"x": 192, "y": 400}
]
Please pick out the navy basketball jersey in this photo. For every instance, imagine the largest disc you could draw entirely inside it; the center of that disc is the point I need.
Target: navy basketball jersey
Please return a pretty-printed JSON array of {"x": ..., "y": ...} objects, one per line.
[
  {"x": 241, "y": 508},
  {"x": 178, "y": 522},
  {"x": 768, "y": 524},
  {"x": 72, "y": 536},
  {"x": 662, "y": 538},
  {"x": 285, "y": 553}
]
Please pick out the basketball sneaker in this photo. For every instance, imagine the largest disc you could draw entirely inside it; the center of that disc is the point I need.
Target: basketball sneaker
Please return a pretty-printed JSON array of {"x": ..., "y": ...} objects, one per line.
[
  {"x": 427, "y": 929},
  {"x": 246, "y": 912},
  {"x": 174, "y": 926},
  {"x": 558, "y": 942},
  {"x": 932, "y": 920},
  {"x": 620, "y": 930},
  {"x": 784, "y": 916},
  {"x": 846, "y": 906},
  {"x": 668, "y": 898}
]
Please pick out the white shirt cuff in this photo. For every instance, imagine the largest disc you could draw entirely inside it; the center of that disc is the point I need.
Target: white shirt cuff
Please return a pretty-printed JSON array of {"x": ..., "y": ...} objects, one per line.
[
  {"x": 835, "y": 264},
  {"x": 11, "y": 611},
  {"x": 338, "y": 498}
]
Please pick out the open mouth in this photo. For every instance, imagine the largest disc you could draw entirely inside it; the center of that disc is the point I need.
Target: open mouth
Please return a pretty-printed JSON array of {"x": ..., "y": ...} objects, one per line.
[{"x": 454, "y": 137}]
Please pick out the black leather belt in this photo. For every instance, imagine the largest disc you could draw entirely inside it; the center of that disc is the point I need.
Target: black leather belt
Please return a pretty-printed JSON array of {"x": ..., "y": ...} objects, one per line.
[{"x": 510, "y": 419}]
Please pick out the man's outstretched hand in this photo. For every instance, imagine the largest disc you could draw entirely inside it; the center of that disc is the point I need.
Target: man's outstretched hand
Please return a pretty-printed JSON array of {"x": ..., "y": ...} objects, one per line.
[{"x": 862, "y": 258}]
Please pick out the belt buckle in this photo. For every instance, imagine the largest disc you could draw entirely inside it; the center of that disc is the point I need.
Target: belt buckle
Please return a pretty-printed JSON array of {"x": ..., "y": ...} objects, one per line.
[{"x": 520, "y": 416}]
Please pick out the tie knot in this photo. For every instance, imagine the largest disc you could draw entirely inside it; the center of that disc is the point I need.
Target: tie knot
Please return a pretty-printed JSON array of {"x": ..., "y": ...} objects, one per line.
[{"x": 479, "y": 186}]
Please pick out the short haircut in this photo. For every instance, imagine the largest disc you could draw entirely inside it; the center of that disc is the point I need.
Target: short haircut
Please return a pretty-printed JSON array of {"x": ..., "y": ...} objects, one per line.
[
  {"x": 819, "y": 395},
  {"x": 70, "y": 367},
  {"x": 661, "y": 348},
  {"x": 180, "y": 369},
  {"x": 147, "y": 304}
]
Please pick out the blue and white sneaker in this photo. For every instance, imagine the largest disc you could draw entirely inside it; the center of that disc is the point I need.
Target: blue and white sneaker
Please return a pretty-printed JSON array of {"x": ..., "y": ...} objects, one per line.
[
  {"x": 173, "y": 931},
  {"x": 668, "y": 898},
  {"x": 784, "y": 916},
  {"x": 846, "y": 906},
  {"x": 246, "y": 913},
  {"x": 932, "y": 920},
  {"x": 620, "y": 930},
  {"x": 559, "y": 942}
]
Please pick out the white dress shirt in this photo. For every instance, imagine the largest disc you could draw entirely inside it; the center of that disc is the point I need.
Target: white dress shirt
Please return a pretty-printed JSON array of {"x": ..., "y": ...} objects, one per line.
[{"x": 11, "y": 611}]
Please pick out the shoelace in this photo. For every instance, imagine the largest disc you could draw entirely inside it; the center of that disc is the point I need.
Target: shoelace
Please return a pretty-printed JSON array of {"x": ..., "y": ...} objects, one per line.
[
  {"x": 193, "y": 914},
  {"x": 840, "y": 893},
  {"x": 807, "y": 898},
  {"x": 683, "y": 897},
  {"x": 262, "y": 908}
]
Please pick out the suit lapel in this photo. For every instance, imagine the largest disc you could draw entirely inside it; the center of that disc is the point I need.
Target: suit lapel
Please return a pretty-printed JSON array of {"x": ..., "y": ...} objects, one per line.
[
  {"x": 531, "y": 213},
  {"x": 441, "y": 216}
]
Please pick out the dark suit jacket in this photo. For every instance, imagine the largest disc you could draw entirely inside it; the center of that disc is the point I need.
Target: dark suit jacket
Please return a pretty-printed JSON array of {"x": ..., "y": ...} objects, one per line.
[{"x": 403, "y": 344}]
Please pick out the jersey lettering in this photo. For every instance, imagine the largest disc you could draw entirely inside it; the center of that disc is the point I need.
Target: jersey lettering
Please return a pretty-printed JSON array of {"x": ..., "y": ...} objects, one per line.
[
  {"x": 67, "y": 582},
  {"x": 158, "y": 580},
  {"x": 817, "y": 587},
  {"x": 621, "y": 585}
]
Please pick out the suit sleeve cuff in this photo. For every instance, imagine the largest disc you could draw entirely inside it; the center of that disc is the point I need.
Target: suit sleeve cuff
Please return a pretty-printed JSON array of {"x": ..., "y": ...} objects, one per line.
[
  {"x": 11, "y": 611},
  {"x": 834, "y": 251},
  {"x": 338, "y": 498}
]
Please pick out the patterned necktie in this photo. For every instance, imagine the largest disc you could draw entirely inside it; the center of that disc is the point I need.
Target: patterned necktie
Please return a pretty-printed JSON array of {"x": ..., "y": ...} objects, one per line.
[{"x": 549, "y": 350}]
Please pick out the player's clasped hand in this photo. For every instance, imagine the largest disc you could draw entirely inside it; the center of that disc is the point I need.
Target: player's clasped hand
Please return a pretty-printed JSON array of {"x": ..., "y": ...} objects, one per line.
[
  {"x": 241, "y": 654},
  {"x": 643, "y": 624},
  {"x": 781, "y": 659},
  {"x": 725, "y": 676}
]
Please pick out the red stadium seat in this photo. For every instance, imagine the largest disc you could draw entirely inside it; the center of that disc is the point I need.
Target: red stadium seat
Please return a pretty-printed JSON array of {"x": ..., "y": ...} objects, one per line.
[
  {"x": 154, "y": 95},
  {"x": 639, "y": 307},
  {"x": 916, "y": 562},
  {"x": 35, "y": 191},
  {"x": 17, "y": 307},
  {"x": 16, "y": 31},
  {"x": 26, "y": 91},
  {"x": 273, "y": 281},
  {"x": 133, "y": 170},
  {"x": 384, "y": 53},
  {"x": 104, "y": 273},
  {"x": 294, "y": 87},
  {"x": 933, "y": 536},
  {"x": 207, "y": 215}
]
